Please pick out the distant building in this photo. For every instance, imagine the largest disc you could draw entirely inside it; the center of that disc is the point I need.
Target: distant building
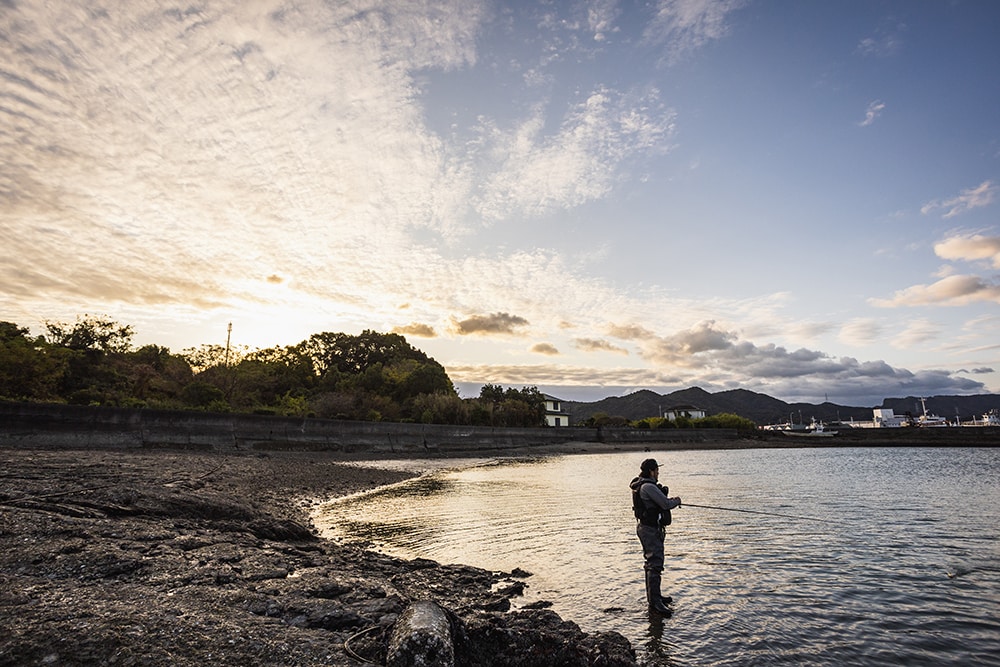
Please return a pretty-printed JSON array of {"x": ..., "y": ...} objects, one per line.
[
  {"x": 688, "y": 411},
  {"x": 885, "y": 418},
  {"x": 554, "y": 415}
]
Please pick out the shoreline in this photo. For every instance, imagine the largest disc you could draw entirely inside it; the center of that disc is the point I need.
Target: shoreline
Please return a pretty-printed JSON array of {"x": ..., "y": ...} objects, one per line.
[
  {"x": 179, "y": 556},
  {"x": 111, "y": 556}
]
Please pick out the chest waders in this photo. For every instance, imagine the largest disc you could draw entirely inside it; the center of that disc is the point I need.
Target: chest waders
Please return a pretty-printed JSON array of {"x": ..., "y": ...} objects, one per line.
[{"x": 649, "y": 528}]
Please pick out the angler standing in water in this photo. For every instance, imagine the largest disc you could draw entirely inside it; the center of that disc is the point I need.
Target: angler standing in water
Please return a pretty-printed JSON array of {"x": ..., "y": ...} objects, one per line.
[{"x": 652, "y": 511}]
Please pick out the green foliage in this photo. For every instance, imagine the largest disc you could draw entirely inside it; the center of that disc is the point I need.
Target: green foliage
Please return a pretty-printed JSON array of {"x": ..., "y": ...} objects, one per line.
[
  {"x": 91, "y": 333},
  {"x": 28, "y": 369},
  {"x": 371, "y": 376},
  {"x": 441, "y": 408},
  {"x": 654, "y": 423},
  {"x": 510, "y": 407},
  {"x": 600, "y": 419},
  {"x": 201, "y": 395},
  {"x": 727, "y": 420}
]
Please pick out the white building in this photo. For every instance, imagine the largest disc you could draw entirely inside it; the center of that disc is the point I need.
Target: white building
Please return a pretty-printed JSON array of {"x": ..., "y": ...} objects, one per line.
[
  {"x": 688, "y": 411},
  {"x": 886, "y": 418},
  {"x": 554, "y": 415}
]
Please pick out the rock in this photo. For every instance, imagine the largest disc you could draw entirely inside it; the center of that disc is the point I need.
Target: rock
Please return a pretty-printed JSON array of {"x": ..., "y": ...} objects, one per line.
[{"x": 422, "y": 638}]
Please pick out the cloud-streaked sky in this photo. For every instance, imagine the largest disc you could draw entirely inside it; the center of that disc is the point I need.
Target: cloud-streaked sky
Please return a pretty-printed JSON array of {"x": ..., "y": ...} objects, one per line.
[{"x": 796, "y": 198}]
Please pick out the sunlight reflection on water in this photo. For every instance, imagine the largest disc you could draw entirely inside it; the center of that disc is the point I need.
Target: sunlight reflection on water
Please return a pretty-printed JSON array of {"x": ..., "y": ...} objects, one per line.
[{"x": 903, "y": 568}]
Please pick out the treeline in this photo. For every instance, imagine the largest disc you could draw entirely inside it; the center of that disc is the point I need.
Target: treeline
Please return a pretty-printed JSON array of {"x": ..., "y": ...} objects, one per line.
[
  {"x": 372, "y": 376},
  {"x": 723, "y": 420}
]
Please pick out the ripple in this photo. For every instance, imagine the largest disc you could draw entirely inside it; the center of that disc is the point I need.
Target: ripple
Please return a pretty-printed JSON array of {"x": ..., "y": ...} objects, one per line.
[{"x": 887, "y": 577}]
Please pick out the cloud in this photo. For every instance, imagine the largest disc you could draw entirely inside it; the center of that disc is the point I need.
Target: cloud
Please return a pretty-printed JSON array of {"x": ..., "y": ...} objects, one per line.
[
  {"x": 955, "y": 290},
  {"x": 792, "y": 376},
  {"x": 972, "y": 198},
  {"x": 916, "y": 333},
  {"x": 199, "y": 147},
  {"x": 595, "y": 345},
  {"x": 416, "y": 329},
  {"x": 545, "y": 348},
  {"x": 884, "y": 43},
  {"x": 496, "y": 323},
  {"x": 684, "y": 26},
  {"x": 600, "y": 18},
  {"x": 970, "y": 247},
  {"x": 808, "y": 330},
  {"x": 558, "y": 375},
  {"x": 630, "y": 332},
  {"x": 874, "y": 111},
  {"x": 531, "y": 173},
  {"x": 687, "y": 348},
  {"x": 860, "y": 331}
]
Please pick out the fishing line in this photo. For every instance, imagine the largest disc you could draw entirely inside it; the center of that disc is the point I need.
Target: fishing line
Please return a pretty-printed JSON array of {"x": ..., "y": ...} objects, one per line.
[{"x": 731, "y": 509}]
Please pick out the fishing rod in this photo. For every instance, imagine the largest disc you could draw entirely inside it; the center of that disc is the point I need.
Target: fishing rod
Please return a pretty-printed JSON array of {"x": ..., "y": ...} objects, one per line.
[{"x": 731, "y": 509}]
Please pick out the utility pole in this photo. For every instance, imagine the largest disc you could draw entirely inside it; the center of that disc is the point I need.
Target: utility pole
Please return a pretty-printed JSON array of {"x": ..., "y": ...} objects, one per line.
[{"x": 229, "y": 333}]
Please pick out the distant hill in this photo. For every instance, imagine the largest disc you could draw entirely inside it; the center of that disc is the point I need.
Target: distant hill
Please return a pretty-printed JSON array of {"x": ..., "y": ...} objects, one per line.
[{"x": 764, "y": 409}]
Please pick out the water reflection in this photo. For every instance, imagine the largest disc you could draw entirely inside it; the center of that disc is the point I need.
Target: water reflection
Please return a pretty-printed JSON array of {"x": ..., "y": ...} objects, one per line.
[{"x": 897, "y": 569}]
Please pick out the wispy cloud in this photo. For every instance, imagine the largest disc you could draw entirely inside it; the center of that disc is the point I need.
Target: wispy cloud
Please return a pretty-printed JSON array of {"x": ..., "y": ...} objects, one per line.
[
  {"x": 597, "y": 345},
  {"x": 873, "y": 111},
  {"x": 860, "y": 331},
  {"x": 917, "y": 332},
  {"x": 885, "y": 41},
  {"x": 972, "y": 198},
  {"x": 534, "y": 173},
  {"x": 683, "y": 26},
  {"x": 957, "y": 290}
]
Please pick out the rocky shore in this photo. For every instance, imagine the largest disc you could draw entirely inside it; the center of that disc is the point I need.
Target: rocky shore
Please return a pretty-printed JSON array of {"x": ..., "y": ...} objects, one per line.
[{"x": 149, "y": 557}]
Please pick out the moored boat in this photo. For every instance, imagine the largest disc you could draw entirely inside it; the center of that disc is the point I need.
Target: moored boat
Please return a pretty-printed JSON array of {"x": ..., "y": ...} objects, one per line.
[{"x": 816, "y": 429}]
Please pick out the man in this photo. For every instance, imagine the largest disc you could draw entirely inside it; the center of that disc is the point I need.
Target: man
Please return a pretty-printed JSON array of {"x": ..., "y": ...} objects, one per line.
[{"x": 652, "y": 512}]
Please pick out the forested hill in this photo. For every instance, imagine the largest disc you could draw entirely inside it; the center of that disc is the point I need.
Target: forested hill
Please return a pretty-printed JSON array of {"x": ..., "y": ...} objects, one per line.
[{"x": 765, "y": 409}]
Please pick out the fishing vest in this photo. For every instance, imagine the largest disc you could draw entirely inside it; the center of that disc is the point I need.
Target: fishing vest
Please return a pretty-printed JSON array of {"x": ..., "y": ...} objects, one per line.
[{"x": 649, "y": 516}]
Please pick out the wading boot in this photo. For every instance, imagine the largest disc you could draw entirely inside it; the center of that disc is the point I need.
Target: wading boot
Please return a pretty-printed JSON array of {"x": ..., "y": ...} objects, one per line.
[{"x": 657, "y": 603}]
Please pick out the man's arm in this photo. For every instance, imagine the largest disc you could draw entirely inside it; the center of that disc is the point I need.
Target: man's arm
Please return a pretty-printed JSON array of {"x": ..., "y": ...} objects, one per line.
[{"x": 653, "y": 494}]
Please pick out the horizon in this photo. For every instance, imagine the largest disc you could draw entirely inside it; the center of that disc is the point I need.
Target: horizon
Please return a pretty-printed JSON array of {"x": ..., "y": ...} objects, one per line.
[
  {"x": 797, "y": 199},
  {"x": 471, "y": 390}
]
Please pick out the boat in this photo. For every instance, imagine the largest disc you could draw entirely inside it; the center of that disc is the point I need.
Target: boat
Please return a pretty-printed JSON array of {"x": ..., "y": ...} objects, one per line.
[
  {"x": 990, "y": 418},
  {"x": 816, "y": 430},
  {"x": 927, "y": 419},
  {"x": 790, "y": 426}
]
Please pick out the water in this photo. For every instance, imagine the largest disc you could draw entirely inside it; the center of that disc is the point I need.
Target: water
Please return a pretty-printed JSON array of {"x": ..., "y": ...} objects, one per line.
[{"x": 901, "y": 567}]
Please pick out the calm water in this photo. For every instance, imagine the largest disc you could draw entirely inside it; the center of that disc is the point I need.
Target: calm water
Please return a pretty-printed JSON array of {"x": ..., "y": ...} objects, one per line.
[{"x": 903, "y": 567}]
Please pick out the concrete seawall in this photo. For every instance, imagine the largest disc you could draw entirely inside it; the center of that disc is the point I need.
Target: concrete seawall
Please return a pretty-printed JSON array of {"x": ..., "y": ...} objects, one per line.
[{"x": 72, "y": 426}]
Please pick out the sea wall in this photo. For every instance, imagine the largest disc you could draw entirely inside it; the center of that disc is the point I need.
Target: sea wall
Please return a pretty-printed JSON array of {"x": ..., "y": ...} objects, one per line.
[
  {"x": 950, "y": 436},
  {"x": 51, "y": 425}
]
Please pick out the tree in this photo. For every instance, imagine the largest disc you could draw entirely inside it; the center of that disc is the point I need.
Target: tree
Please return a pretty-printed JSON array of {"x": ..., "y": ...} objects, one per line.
[
  {"x": 727, "y": 420},
  {"x": 94, "y": 347},
  {"x": 511, "y": 407},
  {"x": 29, "y": 368},
  {"x": 156, "y": 375},
  {"x": 91, "y": 333},
  {"x": 369, "y": 376},
  {"x": 355, "y": 354}
]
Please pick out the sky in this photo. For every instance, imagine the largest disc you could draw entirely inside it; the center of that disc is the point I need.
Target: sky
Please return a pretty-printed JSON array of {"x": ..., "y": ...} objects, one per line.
[{"x": 796, "y": 198}]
